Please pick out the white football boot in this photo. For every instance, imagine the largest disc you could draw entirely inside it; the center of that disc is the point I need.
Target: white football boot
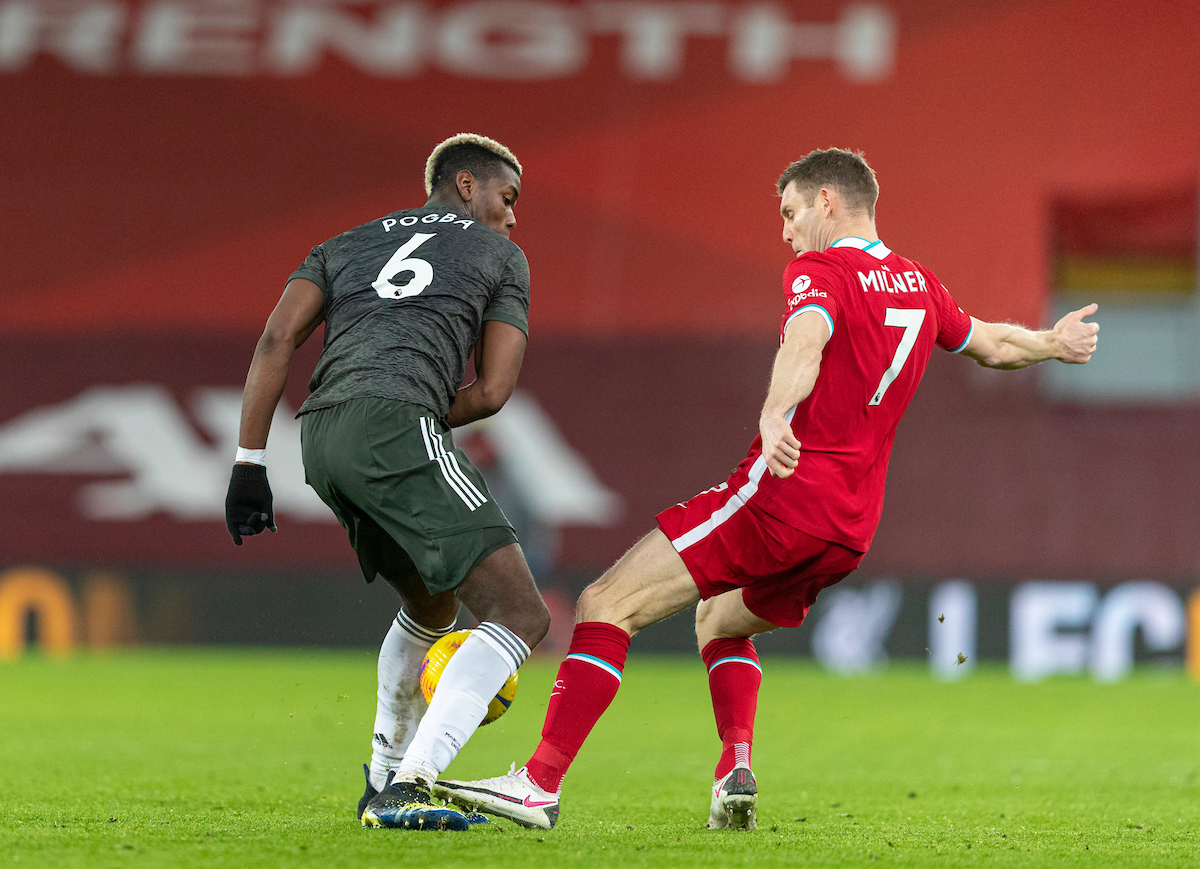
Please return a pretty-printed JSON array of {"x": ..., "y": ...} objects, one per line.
[
  {"x": 513, "y": 796},
  {"x": 734, "y": 801}
]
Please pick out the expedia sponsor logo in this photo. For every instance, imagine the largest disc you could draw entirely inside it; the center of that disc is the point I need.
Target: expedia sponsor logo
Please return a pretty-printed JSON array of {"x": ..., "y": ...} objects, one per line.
[
  {"x": 801, "y": 284},
  {"x": 795, "y": 300}
]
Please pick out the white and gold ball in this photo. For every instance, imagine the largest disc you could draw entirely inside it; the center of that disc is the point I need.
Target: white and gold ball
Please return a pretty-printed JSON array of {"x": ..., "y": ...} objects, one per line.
[{"x": 439, "y": 655}]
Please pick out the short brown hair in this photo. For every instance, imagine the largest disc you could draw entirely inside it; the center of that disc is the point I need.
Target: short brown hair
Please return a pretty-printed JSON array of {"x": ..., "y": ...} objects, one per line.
[{"x": 845, "y": 171}]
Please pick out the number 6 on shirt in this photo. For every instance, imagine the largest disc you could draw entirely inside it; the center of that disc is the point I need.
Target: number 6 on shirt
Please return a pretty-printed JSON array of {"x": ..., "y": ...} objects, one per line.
[
  {"x": 422, "y": 272},
  {"x": 910, "y": 319}
]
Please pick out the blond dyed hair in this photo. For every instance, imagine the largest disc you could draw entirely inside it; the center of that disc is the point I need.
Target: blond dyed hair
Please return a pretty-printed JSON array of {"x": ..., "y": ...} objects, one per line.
[{"x": 433, "y": 165}]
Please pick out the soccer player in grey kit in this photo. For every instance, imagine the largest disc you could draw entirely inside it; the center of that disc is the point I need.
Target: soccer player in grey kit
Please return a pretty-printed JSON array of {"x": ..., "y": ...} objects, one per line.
[{"x": 405, "y": 300}]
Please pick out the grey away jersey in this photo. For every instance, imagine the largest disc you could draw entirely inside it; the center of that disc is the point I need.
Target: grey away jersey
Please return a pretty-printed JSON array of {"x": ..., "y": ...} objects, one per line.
[{"x": 405, "y": 299}]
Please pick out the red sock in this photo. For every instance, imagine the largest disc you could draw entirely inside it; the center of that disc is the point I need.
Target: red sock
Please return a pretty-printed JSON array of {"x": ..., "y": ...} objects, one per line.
[
  {"x": 588, "y": 680},
  {"x": 733, "y": 679}
]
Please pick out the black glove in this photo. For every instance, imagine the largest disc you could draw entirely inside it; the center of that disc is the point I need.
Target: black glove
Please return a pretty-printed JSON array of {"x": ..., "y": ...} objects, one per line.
[{"x": 248, "y": 505}]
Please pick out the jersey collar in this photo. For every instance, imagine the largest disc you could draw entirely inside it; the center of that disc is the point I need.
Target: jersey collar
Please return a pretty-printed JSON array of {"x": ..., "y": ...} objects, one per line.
[{"x": 877, "y": 249}]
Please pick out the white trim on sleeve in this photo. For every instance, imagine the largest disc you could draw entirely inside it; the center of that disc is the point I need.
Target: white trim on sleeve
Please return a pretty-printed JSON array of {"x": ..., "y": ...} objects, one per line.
[{"x": 810, "y": 307}]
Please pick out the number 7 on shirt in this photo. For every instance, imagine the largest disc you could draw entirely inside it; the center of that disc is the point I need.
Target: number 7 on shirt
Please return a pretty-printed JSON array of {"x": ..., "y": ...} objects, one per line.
[{"x": 909, "y": 319}]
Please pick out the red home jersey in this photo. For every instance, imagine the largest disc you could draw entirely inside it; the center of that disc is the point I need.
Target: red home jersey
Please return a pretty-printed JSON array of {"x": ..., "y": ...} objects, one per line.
[{"x": 884, "y": 313}]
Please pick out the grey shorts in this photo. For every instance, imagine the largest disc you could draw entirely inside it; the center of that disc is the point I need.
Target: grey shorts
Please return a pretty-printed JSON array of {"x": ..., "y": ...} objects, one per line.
[{"x": 406, "y": 495}]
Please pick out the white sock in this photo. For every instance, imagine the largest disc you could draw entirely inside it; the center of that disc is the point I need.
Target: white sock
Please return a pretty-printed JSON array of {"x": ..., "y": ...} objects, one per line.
[
  {"x": 399, "y": 704},
  {"x": 477, "y": 671}
]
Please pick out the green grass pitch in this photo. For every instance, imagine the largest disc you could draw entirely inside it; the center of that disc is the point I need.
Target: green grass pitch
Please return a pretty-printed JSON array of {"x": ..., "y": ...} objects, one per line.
[{"x": 245, "y": 758}]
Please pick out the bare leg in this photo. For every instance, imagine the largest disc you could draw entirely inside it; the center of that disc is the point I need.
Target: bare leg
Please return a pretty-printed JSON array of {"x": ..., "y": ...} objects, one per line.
[
  {"x": 501, "y": 590},
  {"x": 726, "y": 617},
  {"x": 430, "y": 610},
  {"x": 649, "y": 583}
]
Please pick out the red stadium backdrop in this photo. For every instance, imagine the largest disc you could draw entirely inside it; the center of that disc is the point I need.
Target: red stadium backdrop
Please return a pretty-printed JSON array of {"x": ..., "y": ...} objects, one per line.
[{"x": 168, "y": 163}]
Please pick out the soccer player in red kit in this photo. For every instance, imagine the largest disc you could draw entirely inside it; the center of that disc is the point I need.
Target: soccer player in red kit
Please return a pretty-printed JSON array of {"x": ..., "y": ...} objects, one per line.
[{"x": 800, "y": 511}]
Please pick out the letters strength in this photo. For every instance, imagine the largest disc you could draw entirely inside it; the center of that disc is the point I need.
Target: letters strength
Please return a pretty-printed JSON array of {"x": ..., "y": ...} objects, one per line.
[{"x": 518, "y": 40}]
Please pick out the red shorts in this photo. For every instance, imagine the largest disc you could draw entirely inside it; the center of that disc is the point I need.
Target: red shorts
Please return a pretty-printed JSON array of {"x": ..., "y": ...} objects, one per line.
[{"x": 727, "y": 543}]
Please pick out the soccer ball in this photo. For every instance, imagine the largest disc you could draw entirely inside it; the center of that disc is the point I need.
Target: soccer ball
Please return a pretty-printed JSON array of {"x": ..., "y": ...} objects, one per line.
[{"x": 435, "y": 662}]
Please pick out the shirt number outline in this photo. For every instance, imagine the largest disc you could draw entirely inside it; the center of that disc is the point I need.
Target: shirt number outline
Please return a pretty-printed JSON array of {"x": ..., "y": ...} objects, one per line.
[{"x": 910, "y": 319}]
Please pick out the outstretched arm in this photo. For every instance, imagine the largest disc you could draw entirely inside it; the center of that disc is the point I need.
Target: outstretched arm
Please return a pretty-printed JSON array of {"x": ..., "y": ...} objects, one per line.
[
  {"x": 793, "y": 377},
  {"x": 248, "y": 504},
  {"x": 498, "y": 356},
  {"x": 299, "y": 311},
  {"x": 1003, "y": 345}
]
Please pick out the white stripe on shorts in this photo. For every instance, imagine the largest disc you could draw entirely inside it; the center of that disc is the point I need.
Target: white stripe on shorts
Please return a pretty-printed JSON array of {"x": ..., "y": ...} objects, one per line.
[
  {"x": 437, "y": 455},
  {"x": 455, "y": 468},
  {"x": 736, "y": 501}
]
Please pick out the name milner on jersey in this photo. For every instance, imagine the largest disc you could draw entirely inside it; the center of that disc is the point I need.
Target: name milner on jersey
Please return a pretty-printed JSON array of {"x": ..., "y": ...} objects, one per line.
[{"x": 882, "y": 281}]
